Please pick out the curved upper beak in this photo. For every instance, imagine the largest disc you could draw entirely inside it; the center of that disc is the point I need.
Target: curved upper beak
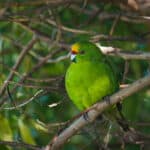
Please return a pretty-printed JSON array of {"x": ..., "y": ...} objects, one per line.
[{"x": 73, "y": 55}]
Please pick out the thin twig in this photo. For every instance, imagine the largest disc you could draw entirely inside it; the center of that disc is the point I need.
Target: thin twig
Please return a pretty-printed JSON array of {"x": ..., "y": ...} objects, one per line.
[
  {"x": 37, "y": 94},
  {"x": 126, "y": 70},
  {"x": 114, "y": 25},
  {"x": 47, "y": 80},
  {"x": 76, "y": 31},
  {"x": 32, "y": 86},
  {"x": 103, "y": 37}
]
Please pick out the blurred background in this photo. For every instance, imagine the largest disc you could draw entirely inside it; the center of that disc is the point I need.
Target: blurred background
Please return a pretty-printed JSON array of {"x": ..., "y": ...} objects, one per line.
[{"x": 35, "y": 39}]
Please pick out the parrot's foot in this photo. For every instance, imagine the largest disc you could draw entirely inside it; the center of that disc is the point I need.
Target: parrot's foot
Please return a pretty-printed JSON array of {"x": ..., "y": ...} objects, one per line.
[
  {"x": 85, "y": 116},
  {"x": 107, "y": 99}
]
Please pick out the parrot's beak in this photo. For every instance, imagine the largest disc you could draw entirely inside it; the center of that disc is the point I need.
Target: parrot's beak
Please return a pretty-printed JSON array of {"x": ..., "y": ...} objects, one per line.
[{"x": 73, "y": 55}]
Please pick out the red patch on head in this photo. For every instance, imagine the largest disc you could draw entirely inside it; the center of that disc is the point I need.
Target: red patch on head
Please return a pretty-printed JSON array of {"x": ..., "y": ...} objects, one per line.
[{"x": 74, "y": 51}]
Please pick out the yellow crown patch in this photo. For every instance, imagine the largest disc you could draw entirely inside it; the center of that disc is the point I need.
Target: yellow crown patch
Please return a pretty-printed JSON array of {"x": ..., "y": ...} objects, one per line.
[{"x": 75, "y": 48}]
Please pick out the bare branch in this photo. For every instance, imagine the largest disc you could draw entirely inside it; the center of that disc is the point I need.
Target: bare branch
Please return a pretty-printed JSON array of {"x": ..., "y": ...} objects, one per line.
[
  {"x": 107, "y": 50},
  {"x": 76, "y": 31},
  {"x": 18, "y": 62},
  {"x": 131, "y": 55},
  {"x": 103, "y": 37},
  {"x": 37, "y": 94},
  {"x": 32, "y": 86}
]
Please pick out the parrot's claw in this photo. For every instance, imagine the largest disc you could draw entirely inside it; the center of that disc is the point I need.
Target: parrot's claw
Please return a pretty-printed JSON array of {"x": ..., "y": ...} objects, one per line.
[
  {"x": 107, "y": 99},
  {"x": 85, "y": 116}
]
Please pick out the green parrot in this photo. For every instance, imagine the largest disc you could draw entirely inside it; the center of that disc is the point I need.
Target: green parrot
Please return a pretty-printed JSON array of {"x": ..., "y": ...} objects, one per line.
[{"x": 89, "y": 78}]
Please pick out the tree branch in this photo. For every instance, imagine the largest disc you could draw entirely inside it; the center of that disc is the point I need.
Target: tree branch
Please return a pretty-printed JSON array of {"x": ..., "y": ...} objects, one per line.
[
  {"x": 59, "y": 140},
  {"x": 107, "y": 50},
  {"x": 76, "y": 31},
  {"x": 17, "y": 64}
]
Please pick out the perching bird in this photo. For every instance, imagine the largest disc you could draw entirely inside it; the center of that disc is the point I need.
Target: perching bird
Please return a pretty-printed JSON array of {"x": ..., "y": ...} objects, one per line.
[{"x": 89, "y": 78}]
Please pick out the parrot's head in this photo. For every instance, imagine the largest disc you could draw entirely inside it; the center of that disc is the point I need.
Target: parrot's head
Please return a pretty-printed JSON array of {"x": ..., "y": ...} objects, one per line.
[{"x": 83, "y": 51}]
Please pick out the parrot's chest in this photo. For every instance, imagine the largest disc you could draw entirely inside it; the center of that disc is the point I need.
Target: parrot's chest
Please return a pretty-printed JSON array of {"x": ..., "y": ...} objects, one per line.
[
  {"x": 84, "y": 73},
  {"x": 88, "y": 82}
]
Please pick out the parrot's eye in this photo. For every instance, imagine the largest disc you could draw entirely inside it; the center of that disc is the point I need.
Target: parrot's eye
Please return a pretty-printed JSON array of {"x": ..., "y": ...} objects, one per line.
[{"x": 82, "y": 52}]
